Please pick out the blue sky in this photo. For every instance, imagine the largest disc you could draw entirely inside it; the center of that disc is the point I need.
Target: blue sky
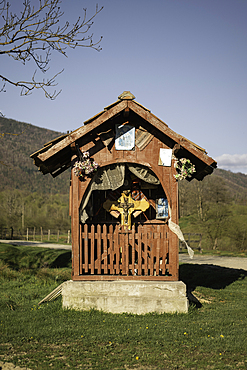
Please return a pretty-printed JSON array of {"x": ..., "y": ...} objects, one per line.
[{"x": 185, "y": 60}]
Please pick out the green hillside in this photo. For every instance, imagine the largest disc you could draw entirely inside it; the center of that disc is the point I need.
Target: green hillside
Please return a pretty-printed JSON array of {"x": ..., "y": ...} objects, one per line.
[
  {"x": 17, "y": 141},
  {"x": 236, "y": 183},
  {"x": 28, "y": 199}
]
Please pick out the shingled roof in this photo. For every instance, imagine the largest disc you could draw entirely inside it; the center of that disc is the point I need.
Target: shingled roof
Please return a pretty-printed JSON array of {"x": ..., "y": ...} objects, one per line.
[{"x": 55, "y": 156}]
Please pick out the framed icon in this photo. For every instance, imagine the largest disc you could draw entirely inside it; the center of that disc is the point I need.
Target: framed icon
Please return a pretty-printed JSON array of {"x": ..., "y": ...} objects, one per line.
[
  {"x": 161, "y": 208},
  {"x": 125, "y": 137}
]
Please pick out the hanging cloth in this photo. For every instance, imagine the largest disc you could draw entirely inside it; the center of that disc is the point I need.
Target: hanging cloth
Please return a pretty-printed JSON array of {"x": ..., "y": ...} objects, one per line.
[
  {"x": 143, "y": 173},
  {"x": 176, "y": 230},
  {"x": 106, "y": 178}
]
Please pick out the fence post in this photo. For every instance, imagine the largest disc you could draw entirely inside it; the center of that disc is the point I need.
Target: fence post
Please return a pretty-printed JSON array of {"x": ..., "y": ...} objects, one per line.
[
  {"x": 68, "y": 241},
  {"x": 41, "y": 234},
  {"x": 200, "y": 244},
  {"x": 27, "y": 234},
  {"x": 49, "y": 233},
  {"x": 57, "y": 236}
]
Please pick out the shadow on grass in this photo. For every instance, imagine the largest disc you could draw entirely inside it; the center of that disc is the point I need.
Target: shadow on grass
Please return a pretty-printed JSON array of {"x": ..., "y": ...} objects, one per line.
[
  {"x": 209, "y": 276},
  {"x": 63, "y": 260}
]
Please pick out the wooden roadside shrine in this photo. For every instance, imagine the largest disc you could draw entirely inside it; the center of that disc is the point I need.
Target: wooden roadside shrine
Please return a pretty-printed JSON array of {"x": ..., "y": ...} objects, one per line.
[{"x": 122, "y": 211}]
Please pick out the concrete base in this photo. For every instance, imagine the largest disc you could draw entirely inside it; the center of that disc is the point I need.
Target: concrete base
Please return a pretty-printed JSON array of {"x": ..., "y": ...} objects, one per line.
[{"x": 136, "y": 297}]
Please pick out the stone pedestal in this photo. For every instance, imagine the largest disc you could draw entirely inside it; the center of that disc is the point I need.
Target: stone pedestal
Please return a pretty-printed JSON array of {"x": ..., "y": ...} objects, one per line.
[{"x": 136, "y": 297}]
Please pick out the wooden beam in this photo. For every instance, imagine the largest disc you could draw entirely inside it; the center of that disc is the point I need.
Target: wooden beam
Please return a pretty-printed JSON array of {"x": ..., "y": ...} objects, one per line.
[
  {"x": 123, "y": 277},
  {"x": 179, "y": 139},
  {"x": 82, "y": 131}
]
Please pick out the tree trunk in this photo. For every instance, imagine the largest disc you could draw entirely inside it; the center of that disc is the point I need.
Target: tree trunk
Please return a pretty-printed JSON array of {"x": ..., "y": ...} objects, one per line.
[{"x": 215, "y": 244}]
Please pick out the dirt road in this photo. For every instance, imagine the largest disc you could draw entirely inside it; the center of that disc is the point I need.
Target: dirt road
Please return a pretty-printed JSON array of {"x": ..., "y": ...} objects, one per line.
[
  {"x": 230, "y": 262},
  {"x": 36, "y": 244}
]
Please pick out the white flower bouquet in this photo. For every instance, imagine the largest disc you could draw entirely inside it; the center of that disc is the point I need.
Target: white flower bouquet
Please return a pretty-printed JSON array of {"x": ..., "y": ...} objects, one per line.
[
  {"x": 184, "y": 168},
  {"x": 86, "y": 166}
]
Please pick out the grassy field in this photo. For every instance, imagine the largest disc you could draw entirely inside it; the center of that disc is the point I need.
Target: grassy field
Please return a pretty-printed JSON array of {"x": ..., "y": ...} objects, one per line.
[{"x": 211, "y": 336}]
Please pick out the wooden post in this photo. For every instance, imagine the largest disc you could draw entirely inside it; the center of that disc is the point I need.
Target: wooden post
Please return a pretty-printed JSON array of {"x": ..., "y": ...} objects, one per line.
[
  {"x": 57, "y": 236},
  {"x": 11, "y": 233},
  {"x": 41, "y": 234},
  {"x": 49, "y": 233},
  {"x": 68, "y": 241},
  {"x": 23, "y": 216},
  {"x": 27, "y": 234},
  {"x": 200, "y": 244}
]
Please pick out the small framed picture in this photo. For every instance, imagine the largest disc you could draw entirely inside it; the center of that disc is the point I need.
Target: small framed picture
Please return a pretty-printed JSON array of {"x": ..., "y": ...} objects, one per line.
[
  {"x": 125, "y": 137},
  {"x": 161, "y": 208}
]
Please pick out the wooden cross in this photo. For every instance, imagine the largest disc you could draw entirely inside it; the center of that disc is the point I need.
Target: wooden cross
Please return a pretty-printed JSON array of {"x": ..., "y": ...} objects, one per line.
[
  {"x": 126, "y": 208},
  {"x": 125, "y": 205}
]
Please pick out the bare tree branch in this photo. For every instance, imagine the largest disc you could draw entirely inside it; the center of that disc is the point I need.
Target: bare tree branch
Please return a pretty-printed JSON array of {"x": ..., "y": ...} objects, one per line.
[
  {"x": 28, "y": 87},
  {"x": 36, "y": 33}
]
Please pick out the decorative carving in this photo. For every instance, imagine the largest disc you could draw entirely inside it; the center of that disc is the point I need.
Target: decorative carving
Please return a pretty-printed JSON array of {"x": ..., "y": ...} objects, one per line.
[{"x": 126, "y": 95}]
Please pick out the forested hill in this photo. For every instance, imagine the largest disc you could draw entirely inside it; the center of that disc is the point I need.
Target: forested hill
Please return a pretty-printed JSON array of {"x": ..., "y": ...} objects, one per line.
[
  {"x": 235, "y": 182},
  {"x": 17, "y": 141},
  {"x": 17, "y": 170}
]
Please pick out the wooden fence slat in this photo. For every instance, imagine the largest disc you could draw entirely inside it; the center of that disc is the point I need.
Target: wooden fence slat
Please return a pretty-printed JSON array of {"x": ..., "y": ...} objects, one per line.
[
  {"x": 122, "y": 250},
  {"x": 133, "y": 249},
  {"x": 126, "y": 246},
  {"x": 85, "y": 248},
  {"x": 80, "y": 252},
  {"x": 98, "y": 249},
  {"x": 117, "y": 249},
  {"x": 104, "y": 240},
  {"x": 162, "y": 256},
  {"x": 111, "y": 248},
  {"x": 92, "y": 244},
  {"x": 164, "y": 235},
  {"x": 139, "y": 243},
  {"x": 169, "y": 260},
  {"x": 151, "y": 245}
]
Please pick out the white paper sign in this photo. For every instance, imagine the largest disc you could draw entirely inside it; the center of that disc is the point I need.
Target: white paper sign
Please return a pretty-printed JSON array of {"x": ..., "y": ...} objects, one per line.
[{"x": 165, "y": 158}]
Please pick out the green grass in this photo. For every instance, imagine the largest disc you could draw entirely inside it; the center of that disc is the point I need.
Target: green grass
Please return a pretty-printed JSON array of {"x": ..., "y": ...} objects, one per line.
[
  {"x": 211, "y": 336},
  {"x": 18, "y": 257}
]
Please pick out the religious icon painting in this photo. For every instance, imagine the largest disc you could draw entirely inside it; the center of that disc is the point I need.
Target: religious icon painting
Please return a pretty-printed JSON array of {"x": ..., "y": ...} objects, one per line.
[
  {"x": 161, "y": 208},
  {"x": 125, "y": 137}
]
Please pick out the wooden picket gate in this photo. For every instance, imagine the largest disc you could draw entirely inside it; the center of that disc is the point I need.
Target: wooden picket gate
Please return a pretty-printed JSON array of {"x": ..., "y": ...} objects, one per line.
[{"x": 110, "y": 252}]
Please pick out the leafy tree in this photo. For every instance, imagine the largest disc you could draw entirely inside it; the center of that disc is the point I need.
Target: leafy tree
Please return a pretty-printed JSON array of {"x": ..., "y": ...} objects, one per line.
[
  {"x": 21, "y": 209},
  {"x": 35, "y": 33},
  {"x": 237, "y": 229},
  {"x": 208, "y": 203},
  {"x": 215, "y": 223}
]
